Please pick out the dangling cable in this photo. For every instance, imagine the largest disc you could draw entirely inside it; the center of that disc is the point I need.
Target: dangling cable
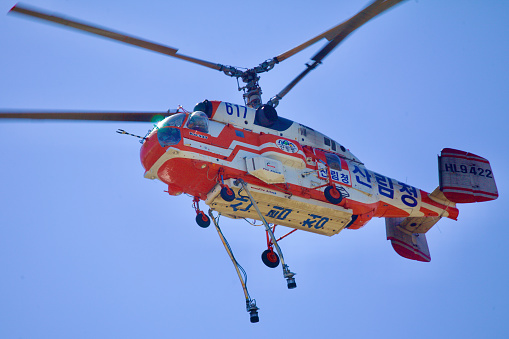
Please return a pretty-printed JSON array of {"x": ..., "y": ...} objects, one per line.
[{"x": 250, "y": 303}]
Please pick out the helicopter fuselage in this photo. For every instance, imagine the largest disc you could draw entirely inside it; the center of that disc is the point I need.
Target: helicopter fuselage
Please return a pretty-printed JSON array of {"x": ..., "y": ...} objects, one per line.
[{"x": 287, "y": 165}]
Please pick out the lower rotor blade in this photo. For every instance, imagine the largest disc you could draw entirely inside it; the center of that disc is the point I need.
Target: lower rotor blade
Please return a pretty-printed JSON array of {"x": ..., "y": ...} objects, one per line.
[
  {"x": 294, "y": 82},
  {"x": 86, "y": 116}
]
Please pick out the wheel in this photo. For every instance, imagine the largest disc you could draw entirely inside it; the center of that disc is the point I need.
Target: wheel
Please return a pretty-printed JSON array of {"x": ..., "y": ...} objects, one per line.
[
  {"x": 202, "y": 220},
  {"x": 333, "y": 195},
  {"x": 227, "y": 194},
  {"x": 270, "y": 258}
]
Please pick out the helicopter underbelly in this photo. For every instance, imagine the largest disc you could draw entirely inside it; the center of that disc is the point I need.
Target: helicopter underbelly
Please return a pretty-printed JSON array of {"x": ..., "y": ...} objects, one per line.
[{"x": 281, "y": 209}]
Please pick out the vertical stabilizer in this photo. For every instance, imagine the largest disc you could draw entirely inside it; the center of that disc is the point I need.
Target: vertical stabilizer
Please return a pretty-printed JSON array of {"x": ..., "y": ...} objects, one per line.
[
  {"x": 407, "y": 244},
  {"x": 466, "y": 177}
]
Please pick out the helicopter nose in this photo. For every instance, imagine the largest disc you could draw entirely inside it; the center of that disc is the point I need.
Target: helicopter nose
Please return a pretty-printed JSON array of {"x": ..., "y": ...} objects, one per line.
[{"x": 151, "y": 150}]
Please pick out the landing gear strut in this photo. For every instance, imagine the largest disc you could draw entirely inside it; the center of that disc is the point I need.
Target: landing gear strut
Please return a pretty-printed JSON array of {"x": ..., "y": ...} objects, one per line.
[
  {"x": 269, "y": 257},
  {"x": 201, "y": 218},
  {"x": 226, "y": 192}
]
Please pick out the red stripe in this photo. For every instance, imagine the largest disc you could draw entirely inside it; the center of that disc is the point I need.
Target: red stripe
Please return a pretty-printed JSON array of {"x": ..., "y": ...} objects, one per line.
[
  {"x": 215, "y": 105},
  {"x": 450, "y": 188},
  {"x": 427, "y": 200},
  {"x": 428, "y": 213},
  {"x": 408, "y": 252},
  {"x": 453, "y": 153},
  {"x": 453, "y": 212},
  {"x": 466, "y": 158}
]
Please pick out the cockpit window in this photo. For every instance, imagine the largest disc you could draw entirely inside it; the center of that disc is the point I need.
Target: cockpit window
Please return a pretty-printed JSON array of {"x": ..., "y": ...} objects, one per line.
[
  {"x": 198, "y": 121},
  {"x": 333, "y": 161},
  {"x": 168, "y": 136},
  {"x": 175, "y": 120}
]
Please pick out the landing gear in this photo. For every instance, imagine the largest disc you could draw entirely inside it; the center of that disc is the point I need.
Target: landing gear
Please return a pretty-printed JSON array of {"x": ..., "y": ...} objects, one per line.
[
  {"x": 333, "y": 195},
  {"x": 227, "y": 194},
  {"x": 201, "y": 218},
  {"x": 270, "y": 258},
  {"x": 287, "y": 274}
]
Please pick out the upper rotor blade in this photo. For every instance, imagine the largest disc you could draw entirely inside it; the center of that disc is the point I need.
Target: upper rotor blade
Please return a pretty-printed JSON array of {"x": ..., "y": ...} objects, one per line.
[
  {"x": 19, "y": 9},
  {"x": 344, "y": 28},
  {"x": 84, "y": 116},
  {"x": 368, "y": 13},
  {"x": 335, "y": 35}
]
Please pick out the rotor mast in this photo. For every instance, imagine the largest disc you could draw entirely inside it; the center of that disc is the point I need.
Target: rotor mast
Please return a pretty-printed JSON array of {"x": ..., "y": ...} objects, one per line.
[{"x": 252, "y": 90}]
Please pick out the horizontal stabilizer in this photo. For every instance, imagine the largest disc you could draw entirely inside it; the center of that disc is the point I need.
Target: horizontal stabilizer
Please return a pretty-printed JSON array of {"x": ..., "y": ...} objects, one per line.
[
  {"x": 466, "y": 177},
  {"x": 419, "y": 224},
  {"x": 406, "y": 243}
]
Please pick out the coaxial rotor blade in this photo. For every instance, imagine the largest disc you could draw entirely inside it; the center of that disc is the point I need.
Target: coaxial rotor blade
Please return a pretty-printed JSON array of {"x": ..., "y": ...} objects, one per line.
[
  {"x": 84, "y": 116},
  {"x": 344, "y": 28},
  {"x": 335, "y": 35},
  {"x": 295, "y": 50},
  {"x": 376, "y": 8},
  {"x": 170, "y": 51},
  {"x": 275, "y": 100}
]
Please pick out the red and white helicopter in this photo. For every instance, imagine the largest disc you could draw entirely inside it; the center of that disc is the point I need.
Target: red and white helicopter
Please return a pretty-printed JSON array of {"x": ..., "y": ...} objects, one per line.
[{"x": 245, "y": 161}]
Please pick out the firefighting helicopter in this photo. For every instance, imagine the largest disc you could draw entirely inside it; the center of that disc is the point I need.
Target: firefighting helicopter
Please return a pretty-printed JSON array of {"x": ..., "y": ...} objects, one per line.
[{"x": 247, "y": 162}]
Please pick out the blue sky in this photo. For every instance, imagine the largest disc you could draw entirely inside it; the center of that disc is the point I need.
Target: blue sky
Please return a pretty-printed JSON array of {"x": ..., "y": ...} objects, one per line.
[{"x": 91, "y": 249}]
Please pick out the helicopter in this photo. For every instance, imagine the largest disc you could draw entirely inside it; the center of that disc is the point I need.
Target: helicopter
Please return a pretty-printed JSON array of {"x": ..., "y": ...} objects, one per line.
[{"x": 245, "y": 161}]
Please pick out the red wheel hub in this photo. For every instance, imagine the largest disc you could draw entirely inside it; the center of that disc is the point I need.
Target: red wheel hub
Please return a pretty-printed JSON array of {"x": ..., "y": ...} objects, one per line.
[
  {"x": 335, "y": 193},
  {"x": 272, "y": 257}
]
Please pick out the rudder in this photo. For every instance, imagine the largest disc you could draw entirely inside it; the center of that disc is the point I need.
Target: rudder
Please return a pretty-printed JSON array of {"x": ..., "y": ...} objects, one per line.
[{"x": 466, "y": 177}]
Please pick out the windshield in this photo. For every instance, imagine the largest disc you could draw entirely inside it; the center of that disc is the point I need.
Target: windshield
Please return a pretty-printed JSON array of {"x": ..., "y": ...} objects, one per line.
[
  {"x": 198, "y": 121},
  {"x": 175, "y": 120},
  {"x": 168, "y": 136}
]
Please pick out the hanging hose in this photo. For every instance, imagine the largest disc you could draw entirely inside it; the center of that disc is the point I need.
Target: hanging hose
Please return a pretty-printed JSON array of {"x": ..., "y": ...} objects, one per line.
[{"x": 250, "y": 303}]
